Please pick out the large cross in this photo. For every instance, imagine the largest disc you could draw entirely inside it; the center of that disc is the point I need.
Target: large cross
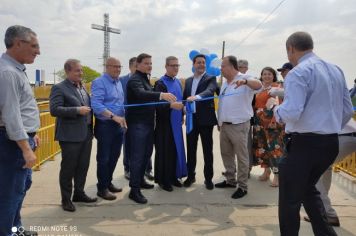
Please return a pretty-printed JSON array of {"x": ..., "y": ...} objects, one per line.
[{"x": 106, "y": 30}]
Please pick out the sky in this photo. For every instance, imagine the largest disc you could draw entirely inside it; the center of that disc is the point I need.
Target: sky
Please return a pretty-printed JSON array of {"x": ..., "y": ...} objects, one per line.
[{"x": 163, "y": 28}]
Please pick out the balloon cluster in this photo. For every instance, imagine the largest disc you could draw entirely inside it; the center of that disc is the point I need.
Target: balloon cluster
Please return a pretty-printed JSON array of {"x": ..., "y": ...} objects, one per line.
[{"x": 212, "y": 61}]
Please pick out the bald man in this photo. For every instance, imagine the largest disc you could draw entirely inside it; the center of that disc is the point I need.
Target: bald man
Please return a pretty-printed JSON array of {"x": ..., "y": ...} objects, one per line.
[{"x": 110, "y": 126}]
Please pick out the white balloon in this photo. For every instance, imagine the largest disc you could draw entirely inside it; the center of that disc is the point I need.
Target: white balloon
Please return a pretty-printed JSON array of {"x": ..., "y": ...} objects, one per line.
[
  {"x": 216, "y": 63},
  {"x": 204, "y": 51}
]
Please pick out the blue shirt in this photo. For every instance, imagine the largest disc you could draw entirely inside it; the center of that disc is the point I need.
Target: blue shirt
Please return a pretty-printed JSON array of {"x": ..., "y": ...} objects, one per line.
[
  {"x": 316, "y": 98},
  {"x": 124, "y": 80},
  {"x": 107, "y": 94}
]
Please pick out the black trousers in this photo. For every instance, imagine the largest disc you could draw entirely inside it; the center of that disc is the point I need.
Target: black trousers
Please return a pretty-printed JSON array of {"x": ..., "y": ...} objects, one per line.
[
  {"x": 307, "y": 157},
  {"x": 74, "y": 166},
  {"x": 206, "y": 136}
]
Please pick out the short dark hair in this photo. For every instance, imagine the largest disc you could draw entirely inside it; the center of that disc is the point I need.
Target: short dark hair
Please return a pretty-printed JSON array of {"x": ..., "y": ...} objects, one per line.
[
  {"x": 199, "y": 55},
  {"x": 302, "y": 41},
  {"x": 142, "y": 56},
  {"x": 233, "y": 61},
  {"x": 17, "y": 31},
  {"x": 132, "y": 60},
  {"x": 273, "y": 71},
  {"x": 69, "y": 64},
  {"x": 170, "y": 58}
]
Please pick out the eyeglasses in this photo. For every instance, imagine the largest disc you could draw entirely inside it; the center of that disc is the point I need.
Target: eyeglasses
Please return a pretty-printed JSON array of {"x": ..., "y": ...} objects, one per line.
[
  {"x": 174, "y": 65},
  {"x": 115, "y": 66}
]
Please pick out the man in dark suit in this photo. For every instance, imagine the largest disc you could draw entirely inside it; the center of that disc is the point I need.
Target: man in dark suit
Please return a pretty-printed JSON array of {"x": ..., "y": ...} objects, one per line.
[
  {"x": 70, "y": 104},
  {"x": 140, "y": 120},
  {"x": 198, "y": 86},
  {"x": 124, "y": 79}
]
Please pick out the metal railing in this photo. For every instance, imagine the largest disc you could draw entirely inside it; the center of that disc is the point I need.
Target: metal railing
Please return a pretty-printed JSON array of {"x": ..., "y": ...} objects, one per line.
[
  {"x": 348, "y": 165},
  {"x": 48, "y": 147}
]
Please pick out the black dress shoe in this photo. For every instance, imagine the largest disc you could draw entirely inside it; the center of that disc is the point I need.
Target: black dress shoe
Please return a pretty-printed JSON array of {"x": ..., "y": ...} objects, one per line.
[
  {"x": 166, "y": 187},
  {"x": 84, "y": 198},
  {"x": 146, "y": 185},
  {"x": 114, "y": 189},
  {"x": 149, "y": 175},
  {"x": 29, "y": 233},
  {"x": 189, "y": 181},
  {"x": 209, "y": 184},
  {"x": 177, "y": 183},
  {"x": 333, "y": 221},
  {"x": 137, "y": 197},
  {"x": 224, "y": 184},
  {"x": 67, "y": 205},
  {"x": 105, "y": 194},
  {"x": 239, "y": 193}
]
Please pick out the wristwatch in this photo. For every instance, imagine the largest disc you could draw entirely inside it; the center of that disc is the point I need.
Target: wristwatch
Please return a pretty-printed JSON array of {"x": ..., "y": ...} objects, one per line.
[{"x": 245, "y": 81}]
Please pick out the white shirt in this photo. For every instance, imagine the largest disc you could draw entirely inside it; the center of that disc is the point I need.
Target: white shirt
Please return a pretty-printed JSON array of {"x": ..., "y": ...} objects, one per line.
[
  {"x": 237, "y": 107},
  {"x": 195, "y": 83}
]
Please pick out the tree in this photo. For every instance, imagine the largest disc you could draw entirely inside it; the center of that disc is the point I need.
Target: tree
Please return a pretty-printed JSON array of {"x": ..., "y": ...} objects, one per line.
[{"x": 88, "y": 74}]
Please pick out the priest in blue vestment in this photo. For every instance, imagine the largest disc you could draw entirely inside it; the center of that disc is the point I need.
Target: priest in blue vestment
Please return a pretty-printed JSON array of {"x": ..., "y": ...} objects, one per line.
[{"x": 170, "y": 161}]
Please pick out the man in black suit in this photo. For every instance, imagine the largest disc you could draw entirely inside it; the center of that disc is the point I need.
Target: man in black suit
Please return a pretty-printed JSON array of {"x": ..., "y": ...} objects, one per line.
[
  {"x": 70, "y": 104},
  {"x": 140, "y": 120},
  {"x": 201, "y": 85}
]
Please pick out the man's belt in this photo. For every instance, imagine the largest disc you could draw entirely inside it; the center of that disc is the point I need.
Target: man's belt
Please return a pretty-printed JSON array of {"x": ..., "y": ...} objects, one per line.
[
  {"x": 30, "y": 134},
  {"x": 349, "y": 134},
  {"x": 311, "y": 134}
]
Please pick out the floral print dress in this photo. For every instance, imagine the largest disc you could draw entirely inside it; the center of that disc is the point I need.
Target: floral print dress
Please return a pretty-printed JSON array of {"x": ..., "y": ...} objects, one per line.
[{"x": 268, "y": 135}]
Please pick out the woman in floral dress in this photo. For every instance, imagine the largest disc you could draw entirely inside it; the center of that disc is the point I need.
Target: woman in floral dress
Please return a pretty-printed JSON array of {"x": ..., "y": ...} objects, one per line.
[{"x": 267, "y": 133}]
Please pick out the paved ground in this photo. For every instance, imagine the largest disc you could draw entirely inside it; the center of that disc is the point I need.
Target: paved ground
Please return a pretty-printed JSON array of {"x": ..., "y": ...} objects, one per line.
[{"x": 192, "y": 211}]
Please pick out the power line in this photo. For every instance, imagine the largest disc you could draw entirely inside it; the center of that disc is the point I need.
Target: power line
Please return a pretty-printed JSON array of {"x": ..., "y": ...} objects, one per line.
[{"x": 258, "y": 26}]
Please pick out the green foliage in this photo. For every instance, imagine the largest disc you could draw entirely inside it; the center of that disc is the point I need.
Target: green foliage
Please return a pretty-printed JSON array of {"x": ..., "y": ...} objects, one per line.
[{"x": 88, "y": 74}]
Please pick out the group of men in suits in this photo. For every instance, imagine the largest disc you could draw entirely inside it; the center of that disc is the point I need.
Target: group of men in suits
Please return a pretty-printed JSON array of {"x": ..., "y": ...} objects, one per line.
[{"x": 73, "y": 107}]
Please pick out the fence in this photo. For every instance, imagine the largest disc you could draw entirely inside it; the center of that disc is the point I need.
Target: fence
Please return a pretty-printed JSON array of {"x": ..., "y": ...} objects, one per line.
[{"x": 48, "y": 147}]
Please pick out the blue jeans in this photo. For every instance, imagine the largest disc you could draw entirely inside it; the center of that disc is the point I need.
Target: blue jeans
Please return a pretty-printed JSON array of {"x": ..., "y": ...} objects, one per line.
[
  {"x": 109, "y": 137},
  {"x": 14, "y": 183},
  {"x": 141, "y": 146}
]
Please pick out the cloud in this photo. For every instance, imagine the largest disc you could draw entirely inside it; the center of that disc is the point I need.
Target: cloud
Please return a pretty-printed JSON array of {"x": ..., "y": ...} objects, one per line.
[{"x": 165, "y": 27}]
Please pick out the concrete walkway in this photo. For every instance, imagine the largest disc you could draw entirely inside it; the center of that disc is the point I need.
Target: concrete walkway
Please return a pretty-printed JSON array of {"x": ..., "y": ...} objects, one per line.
[{"x": 185, "y": 211}]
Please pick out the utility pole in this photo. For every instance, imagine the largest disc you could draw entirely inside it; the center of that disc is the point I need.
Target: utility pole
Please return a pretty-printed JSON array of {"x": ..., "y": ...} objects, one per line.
[
  {"x": 54, "y": 76},
  {"x": 106, "y": 30}
]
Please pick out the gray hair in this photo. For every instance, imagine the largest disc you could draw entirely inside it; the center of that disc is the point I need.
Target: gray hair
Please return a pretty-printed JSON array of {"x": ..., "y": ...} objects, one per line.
[
  {"x": 17, "y": 31},
  {"x": 68, "y": 65},
  {"x": 242, "y": 62},
  {"x": 300, "y": 40}
]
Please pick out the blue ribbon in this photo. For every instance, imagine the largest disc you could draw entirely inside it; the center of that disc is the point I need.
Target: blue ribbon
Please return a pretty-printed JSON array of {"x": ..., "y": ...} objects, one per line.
[
  {"x": 189, "y": 106},
  {"x": 190, "y": 109}
]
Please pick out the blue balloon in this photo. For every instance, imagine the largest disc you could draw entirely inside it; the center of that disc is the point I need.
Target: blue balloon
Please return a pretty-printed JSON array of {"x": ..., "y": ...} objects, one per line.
[
  {"x": 192, "y": 54},
  {"x": 207, "y": 61},
  {"x": 217, "y": 71},
  {"x": 213, "y": 55},
  {"x": 210, "y": 70}
]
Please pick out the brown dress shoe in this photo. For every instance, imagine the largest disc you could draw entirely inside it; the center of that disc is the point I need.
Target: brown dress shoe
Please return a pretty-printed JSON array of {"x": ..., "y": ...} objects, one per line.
[
  {"x": 84, "y": 198},
  {"x": 105, "y": 194},
  {"x": 333, "y": 221},
  {"x": 112, "y": 188}
]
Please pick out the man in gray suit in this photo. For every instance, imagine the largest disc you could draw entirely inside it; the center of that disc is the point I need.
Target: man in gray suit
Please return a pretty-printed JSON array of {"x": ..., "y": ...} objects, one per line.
[{"x": 70, "y": 104}]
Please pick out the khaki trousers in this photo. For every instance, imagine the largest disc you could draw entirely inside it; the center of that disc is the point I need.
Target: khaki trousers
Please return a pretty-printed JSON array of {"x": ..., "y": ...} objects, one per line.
[{"x": 233, "y": 147}]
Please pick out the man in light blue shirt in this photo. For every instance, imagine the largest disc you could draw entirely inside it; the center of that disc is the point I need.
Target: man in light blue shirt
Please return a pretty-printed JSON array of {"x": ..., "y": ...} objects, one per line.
[
  {"x": 110, "y": 125},
  {"x": 316, "y": 107}
]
